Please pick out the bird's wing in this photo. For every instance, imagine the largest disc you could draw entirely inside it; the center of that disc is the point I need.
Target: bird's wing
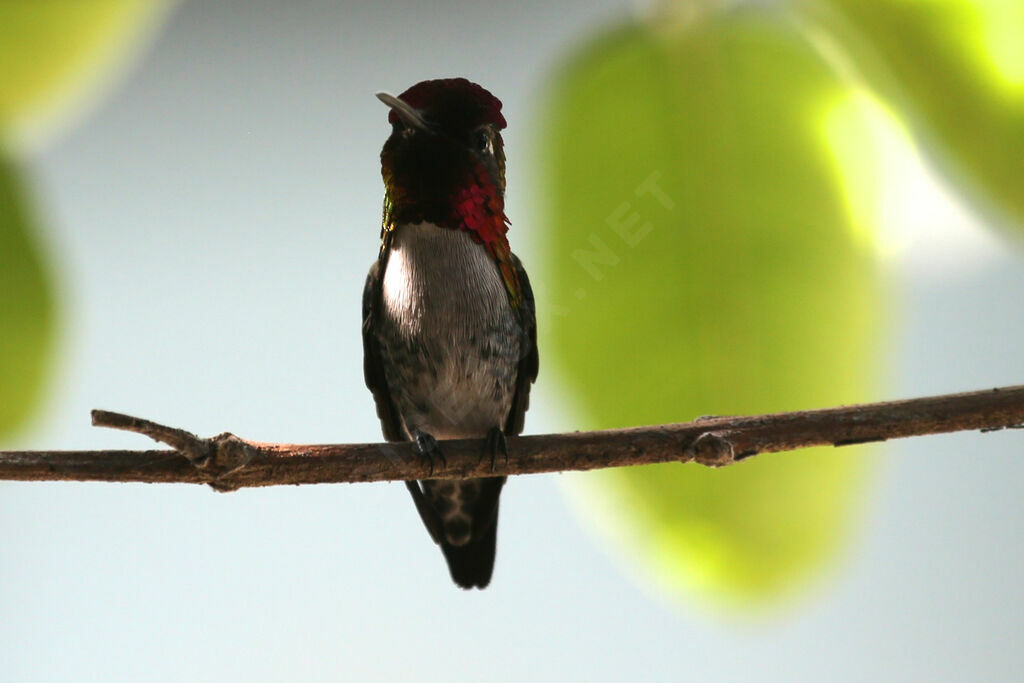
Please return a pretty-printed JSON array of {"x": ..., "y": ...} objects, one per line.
[
  {"x": 528, "y": 358},
  {"x": 373, "y": 369}
]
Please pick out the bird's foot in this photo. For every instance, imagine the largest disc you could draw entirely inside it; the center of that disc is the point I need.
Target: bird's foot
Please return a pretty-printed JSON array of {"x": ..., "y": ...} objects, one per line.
[
  {"x": 428, "y": 448},
  {"x": 494, "y": 443}
]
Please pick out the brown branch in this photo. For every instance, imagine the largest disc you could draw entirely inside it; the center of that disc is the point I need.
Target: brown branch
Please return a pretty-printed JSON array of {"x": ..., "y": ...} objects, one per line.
[{"x": 227, "y": 462}]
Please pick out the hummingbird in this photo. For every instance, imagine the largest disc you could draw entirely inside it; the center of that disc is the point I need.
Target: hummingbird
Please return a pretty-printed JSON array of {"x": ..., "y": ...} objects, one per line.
[{"x": 449, "y": 324}]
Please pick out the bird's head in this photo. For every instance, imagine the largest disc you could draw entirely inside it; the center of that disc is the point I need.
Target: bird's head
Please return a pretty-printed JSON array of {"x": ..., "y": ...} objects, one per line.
[{"x": 444, "y": 161}]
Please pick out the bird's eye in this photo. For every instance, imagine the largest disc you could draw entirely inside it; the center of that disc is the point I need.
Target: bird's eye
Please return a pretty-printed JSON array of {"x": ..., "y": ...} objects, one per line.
[{"x": 482, "y": 140}]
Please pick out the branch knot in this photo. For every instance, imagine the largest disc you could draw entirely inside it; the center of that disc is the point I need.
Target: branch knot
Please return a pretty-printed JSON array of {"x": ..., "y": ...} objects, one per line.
[{"x": 712, "y": 449}]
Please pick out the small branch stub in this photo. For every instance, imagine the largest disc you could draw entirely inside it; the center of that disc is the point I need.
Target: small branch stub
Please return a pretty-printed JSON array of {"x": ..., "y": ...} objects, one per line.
[
  {"x": 216, "y": 458},
  {"x": 227, "y": 462}
]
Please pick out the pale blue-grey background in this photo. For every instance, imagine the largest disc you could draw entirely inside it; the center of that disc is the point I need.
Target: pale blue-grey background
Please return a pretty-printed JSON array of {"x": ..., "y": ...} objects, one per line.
[{"x": 213, "y": 221}]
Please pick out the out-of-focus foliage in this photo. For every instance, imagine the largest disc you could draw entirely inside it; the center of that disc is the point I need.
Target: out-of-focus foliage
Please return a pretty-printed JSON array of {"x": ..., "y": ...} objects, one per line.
[
  {"x": 26, "y": 305},
  {"x": 955, "y": 70},
  {"x": 702, "y": 258},
  {"x": 55, "y": 53}
]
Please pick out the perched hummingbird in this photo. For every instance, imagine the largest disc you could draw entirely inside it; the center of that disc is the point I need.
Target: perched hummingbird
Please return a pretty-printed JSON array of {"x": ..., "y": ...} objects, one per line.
[{"x": 449, "y": 330}]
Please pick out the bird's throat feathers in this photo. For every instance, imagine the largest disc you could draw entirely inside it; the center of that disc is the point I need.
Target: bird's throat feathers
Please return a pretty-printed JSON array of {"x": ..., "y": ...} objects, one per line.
[{"x": 475, "y": 206}]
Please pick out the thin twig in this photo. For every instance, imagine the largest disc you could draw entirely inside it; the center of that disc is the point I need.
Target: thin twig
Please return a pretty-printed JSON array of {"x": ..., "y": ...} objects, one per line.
[{"x": 227, "y": 462}]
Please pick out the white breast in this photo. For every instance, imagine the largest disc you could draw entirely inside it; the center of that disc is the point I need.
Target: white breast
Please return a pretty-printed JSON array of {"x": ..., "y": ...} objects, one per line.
[
  {"x": 441, "y": 277},
  {"x": 449, "y": 335}
]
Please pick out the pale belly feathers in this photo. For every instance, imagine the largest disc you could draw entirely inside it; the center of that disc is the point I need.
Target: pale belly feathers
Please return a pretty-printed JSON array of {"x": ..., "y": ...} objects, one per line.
[{"x": 450, "y": 339}]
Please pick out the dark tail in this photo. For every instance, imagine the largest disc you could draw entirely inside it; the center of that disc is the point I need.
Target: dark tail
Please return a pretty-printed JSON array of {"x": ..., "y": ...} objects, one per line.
[{"x": 471, "y": 564}]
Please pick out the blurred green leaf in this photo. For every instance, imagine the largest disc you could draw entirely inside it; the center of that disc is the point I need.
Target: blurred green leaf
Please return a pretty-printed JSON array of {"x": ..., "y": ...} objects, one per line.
[
  {"x": 54, "y": 53},
  {"x": 702, "y": 259},
  {"x": 955, "y": 70},
  {"x": 26, "y": 306}
]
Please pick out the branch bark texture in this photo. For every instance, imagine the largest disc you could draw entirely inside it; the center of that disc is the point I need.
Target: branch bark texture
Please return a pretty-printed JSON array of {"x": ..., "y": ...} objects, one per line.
[{"x": 227, "y": 462}]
